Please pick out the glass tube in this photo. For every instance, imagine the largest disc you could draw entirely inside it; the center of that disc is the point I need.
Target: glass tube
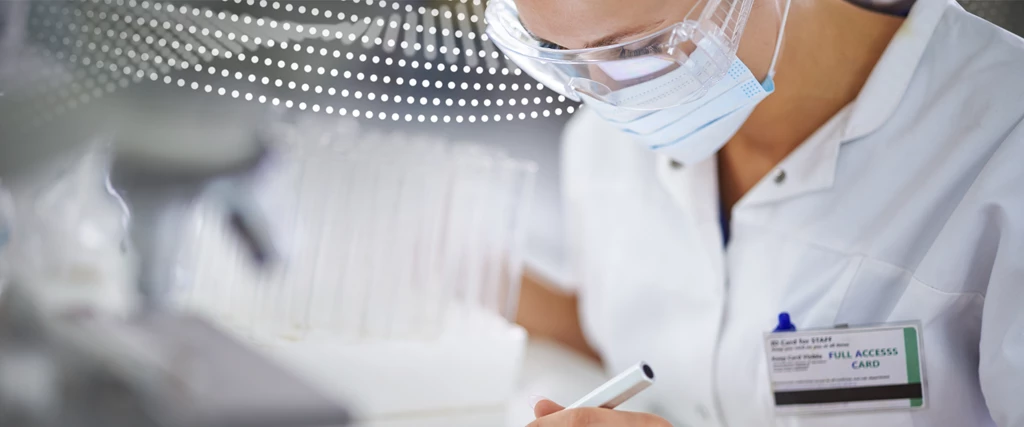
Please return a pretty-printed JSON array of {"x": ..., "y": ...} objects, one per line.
[{"x": 385, "y": 236}]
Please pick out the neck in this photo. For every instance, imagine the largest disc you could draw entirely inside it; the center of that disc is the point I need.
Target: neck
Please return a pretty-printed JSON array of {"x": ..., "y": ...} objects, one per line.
[
  {"x": 830, "y": 48},
  {"x": 828, "y": 51}
]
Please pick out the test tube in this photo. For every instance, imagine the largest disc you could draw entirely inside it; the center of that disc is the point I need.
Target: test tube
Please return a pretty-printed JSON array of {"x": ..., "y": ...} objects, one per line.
[
  {"x": 331, "y": 258},
  {"x": 324, "y": 169},
  {"x": 453, "y": 223},
  {"x": 493, "y": 238},
  {"x": 387, "y": 237},
  {"x": 345, "y": 240},
  {"x": 354, "y": 295},
  {"x": 282, "y": 199},
  {"x": 521, "y": 182},
  {"x": 474, "y": 182},
  {"x": 429, "y": 249},
  {"x": 429, "y": 300},
  {"x": 401, "y": 254}
]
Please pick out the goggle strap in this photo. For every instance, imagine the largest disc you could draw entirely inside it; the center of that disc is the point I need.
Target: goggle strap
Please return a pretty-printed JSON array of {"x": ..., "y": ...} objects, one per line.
[{"x": 778, "y": 43}]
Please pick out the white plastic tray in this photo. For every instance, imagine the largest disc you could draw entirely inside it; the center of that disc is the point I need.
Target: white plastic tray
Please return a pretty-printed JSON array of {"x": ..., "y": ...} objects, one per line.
[{"x": 475, "y": 364}]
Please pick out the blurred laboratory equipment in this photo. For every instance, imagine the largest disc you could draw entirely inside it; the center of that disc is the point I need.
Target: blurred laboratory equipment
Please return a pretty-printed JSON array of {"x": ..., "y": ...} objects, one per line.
[
  {"x": 70, "y": 244},
  {"x": 403, "y": 264},
  {"x": 13, "y": 23},
  {"x": 158, "y": 371},
  {"x": 6, "y": 230},
  {"x": 163, "y": 165},
  {"x": 86, "y": 337}
]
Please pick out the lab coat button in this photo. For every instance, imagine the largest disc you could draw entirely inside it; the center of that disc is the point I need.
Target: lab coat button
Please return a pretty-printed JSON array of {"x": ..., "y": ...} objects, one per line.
[
  {"x": 676, "y": 165},
  {"x": 780, "y": 176}
]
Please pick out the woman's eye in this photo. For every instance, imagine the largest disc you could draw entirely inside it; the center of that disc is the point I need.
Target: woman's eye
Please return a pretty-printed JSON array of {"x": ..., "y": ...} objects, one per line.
[
  {"x": 647, "y": 50},
  {"x": 549, "y": 45}
]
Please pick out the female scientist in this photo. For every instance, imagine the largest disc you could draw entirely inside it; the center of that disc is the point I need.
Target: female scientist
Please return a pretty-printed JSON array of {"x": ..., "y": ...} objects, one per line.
[{"x": 739, "y": 159}]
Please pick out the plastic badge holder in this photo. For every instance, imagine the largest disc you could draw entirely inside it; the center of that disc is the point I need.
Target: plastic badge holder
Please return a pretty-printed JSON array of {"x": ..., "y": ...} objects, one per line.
[{"x": 403, "y": 261}]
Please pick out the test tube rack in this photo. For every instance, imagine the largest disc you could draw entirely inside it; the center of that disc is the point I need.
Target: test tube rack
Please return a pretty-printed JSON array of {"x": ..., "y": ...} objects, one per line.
[{"x": 402, "y": 261}]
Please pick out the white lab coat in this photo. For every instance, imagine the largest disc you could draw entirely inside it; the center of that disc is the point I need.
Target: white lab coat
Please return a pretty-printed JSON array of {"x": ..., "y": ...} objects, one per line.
[{"x": 908, "y": 205}]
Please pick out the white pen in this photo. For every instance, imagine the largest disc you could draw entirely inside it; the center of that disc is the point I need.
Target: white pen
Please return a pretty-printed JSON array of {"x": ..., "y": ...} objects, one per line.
[{"x": 619, "y": 389}]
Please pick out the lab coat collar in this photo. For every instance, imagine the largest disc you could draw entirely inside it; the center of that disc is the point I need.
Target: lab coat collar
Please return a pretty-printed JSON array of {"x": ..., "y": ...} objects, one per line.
[
  {"x": 891, "y": 77},
  {"x": 811, "y": 167}
]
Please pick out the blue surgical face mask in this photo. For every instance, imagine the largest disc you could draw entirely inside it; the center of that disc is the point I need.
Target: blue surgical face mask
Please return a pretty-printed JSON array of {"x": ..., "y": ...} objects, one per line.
[{"x": 692, "y": 131}]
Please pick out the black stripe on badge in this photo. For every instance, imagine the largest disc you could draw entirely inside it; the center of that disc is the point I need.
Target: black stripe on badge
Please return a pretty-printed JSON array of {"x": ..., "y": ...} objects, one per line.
[{"x": 855, "y": 394}]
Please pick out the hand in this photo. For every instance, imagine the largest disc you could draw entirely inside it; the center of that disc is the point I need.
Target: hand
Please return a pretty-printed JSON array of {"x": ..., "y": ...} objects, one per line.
[{"x": 550, "y": 414}]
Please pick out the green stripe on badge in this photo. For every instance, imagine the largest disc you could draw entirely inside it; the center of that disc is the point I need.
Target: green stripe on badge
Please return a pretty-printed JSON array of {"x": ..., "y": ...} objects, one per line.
[{"x": 913, "y": 362}]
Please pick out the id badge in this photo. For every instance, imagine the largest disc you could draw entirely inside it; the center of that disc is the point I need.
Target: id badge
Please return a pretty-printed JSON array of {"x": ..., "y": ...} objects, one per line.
[{"x": 846, "y": 369}]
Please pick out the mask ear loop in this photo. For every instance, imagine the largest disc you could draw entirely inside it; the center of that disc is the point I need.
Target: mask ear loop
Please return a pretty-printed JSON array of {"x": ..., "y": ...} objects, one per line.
[{"x": 778, "y": 43}]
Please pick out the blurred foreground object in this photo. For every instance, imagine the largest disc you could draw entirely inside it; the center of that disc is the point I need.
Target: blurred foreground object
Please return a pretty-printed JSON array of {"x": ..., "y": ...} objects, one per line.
[
  {"x": 85, "y": 337},
  {"x": 69, "y": 249},
  {"x": 162, "y": 370},
  {"x": 6, "y": 229},
  {"x": 13, "y": 27},
  {"x": 404, "y": 258}
]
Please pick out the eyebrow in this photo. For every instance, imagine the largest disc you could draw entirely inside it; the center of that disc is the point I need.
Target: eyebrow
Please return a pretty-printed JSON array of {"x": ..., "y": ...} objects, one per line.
[{"x": 617, "y": 37}]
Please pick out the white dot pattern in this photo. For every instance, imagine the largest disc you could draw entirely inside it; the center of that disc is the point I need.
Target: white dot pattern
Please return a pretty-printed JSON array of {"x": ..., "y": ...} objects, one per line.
[{"x": 370, "y": 60}]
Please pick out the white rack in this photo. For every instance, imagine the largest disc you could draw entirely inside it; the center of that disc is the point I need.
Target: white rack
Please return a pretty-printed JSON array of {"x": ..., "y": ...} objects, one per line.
[{"x": 403, "y": 256}]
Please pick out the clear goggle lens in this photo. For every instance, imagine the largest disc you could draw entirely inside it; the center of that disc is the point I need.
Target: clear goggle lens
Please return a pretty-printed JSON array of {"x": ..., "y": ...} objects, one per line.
[{"x": 680, "y": 61}]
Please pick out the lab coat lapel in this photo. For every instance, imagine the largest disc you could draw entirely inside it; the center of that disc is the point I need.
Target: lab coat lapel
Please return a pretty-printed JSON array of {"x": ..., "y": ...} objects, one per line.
[
  {"x": 888, "y": 82},
  {"x": 694, "y": 189},
  {"x": 811, "y": 167}
]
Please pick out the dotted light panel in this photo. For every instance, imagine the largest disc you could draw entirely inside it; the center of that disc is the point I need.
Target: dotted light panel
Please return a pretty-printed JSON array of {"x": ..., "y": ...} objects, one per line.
[
  {"x": 392, "y": 61},
  {"x": 396, "y": 61}
]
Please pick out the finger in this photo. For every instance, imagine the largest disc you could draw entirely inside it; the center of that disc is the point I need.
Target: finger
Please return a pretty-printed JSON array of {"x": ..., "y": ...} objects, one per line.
[
  {"x": 580, "y": 417},
  {"x": 544, "y": 407},
  {"x": 599, "y": 417}
]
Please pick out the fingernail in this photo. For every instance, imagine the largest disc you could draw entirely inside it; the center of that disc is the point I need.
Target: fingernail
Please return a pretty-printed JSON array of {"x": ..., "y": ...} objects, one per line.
[{"x": 534, "y": 400}]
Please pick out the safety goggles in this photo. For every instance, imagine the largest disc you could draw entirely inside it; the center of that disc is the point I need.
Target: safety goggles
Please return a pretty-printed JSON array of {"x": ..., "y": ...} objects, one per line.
[{"x": 680, "y": 61}]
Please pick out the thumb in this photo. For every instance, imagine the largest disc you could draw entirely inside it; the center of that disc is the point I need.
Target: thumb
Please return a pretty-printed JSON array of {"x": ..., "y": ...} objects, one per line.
[{"x": 543, "y": 407}]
